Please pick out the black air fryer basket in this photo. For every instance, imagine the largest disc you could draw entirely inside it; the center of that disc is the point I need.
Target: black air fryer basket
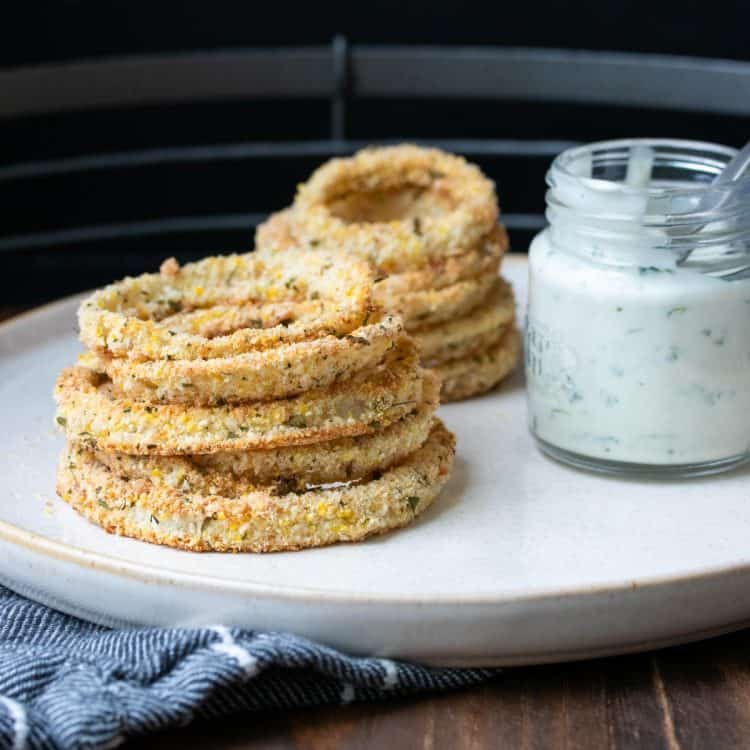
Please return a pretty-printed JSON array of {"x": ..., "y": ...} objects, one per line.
[{"x": 110, "y": 165}]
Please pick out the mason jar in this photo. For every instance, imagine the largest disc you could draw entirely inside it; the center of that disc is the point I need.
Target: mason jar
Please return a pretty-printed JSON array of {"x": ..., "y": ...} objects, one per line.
[{"x": 638, "y": 324}]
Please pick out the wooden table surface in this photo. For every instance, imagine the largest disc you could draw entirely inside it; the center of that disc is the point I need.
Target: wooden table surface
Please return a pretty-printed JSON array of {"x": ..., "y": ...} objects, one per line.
[{"x": 691, "y": 697}]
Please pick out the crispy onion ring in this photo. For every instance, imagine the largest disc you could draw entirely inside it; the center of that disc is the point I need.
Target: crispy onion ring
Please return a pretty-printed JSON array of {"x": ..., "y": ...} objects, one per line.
[
  {"x": 92, "y": 410},
  {"x": 482, "y": 261},
  {"x": 430, "y": 306},
  {"x": 291, "y": 468},
  {"x": 277, "y": 233},
  {"x": 286, "y": 370},
  {"x": 399, "y": 204},
  {"x": 477, "y": 373},
  {"x": 256, "y": 520},
  {"x": 476, "y": 331},
  {"x": 253, "y": 301}
]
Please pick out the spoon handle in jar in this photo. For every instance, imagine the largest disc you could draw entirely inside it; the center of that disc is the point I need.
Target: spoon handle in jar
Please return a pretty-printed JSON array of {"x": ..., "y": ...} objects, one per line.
[{"x": 736, "y": 168}]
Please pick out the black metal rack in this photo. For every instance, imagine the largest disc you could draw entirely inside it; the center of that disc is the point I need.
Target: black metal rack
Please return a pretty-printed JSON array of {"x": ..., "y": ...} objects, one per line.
[{"x": 89, "y": 193}]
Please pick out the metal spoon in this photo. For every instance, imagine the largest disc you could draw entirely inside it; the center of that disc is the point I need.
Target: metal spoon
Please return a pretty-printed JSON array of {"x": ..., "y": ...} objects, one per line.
[{"x": 735, "y": 169}]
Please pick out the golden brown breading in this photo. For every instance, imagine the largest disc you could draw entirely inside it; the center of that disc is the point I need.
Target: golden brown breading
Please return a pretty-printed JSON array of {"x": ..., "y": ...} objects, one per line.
[
  {"x": 430, "y": 306},
  {"x": 90, "y": 409},
  {"x": 228, "y": 305},
  {"x": 283, "y": 371},
  {"x": 476, "y": 331},
  {"x": 293, "y": 467},
  {"x": 482, "y": 260},
  {"x": 481, "y": 371},
  {"x": 398, "y": 205},
  {"x": 460, "y": 263},
  {"x": 260, "y": 519}
]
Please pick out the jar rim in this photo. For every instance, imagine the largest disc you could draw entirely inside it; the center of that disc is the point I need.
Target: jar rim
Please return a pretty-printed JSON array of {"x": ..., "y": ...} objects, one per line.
[
  {"x": 680, "y": 208},
  {"x": 702, "y": 156}
]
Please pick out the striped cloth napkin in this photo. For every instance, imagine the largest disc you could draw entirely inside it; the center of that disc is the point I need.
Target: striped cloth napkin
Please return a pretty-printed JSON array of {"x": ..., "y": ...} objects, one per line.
[{"x": 67, "y": 684}]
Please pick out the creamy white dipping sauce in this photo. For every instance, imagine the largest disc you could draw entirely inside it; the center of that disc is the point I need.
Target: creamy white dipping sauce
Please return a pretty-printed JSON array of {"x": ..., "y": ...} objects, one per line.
[
  {"x": 647, "y": 365},
  {"x": 637, "y": 353}
]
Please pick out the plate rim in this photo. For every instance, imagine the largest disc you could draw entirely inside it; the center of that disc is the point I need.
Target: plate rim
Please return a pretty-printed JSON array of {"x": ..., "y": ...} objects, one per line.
[{"x": 168, "y": 576}]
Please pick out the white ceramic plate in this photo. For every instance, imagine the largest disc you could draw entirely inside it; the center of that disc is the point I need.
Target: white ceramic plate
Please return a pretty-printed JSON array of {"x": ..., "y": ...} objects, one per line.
[{"x": 520, "y": 560}]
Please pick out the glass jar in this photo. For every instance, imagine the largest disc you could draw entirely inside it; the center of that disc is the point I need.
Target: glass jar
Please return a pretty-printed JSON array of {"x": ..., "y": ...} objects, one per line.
[{"x": 638, "y": 326}]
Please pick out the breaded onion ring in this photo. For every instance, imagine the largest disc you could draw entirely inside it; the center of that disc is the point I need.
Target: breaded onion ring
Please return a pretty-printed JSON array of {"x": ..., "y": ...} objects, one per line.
[
  {"x": 228, "y": 305},
  {"x": 277, "y": 233},
  {"x": 482, "y": 261},
  {"x": 92, "y": 410},
  {"x": 400, "y": 204},
  {"x": 430, "y": 306},
  {"x": 479, "y": 372},
  {"x": 257, "y": 520},
  {"x": 476, "y": 331},
  {"x": 291, "y": 468},
  {"x": 283, "y": 371}
]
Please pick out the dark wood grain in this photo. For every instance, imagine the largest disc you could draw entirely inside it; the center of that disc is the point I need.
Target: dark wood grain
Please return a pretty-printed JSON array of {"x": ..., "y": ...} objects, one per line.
[{"x": 688, "y": 698}]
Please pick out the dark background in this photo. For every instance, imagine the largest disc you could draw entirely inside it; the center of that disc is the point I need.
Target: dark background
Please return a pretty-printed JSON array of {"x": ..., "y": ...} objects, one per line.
[
  {"x": 64, "y": 29},
  {"x": 36, "y": 32}
]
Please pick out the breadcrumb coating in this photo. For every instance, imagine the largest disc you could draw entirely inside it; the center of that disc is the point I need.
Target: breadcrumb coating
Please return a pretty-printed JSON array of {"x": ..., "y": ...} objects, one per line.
[
  {"x": 291, "y": 467},
  {"x": 283, "y": 371},
  {"x": 257, "y": 519},
  {"x": 398, "y": 206},
  {"x": 92, "y": 410},
  {"x": 228, "y": 305},
  {"x": 479, "y": 372},
  {"x": 479, "y": 329}
]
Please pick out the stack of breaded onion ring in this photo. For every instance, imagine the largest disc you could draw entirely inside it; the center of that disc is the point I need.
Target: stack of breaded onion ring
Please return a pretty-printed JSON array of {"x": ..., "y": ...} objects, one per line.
[
  {"x": 252, "y": 402},
  {"x": 428, "y": 221}
]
